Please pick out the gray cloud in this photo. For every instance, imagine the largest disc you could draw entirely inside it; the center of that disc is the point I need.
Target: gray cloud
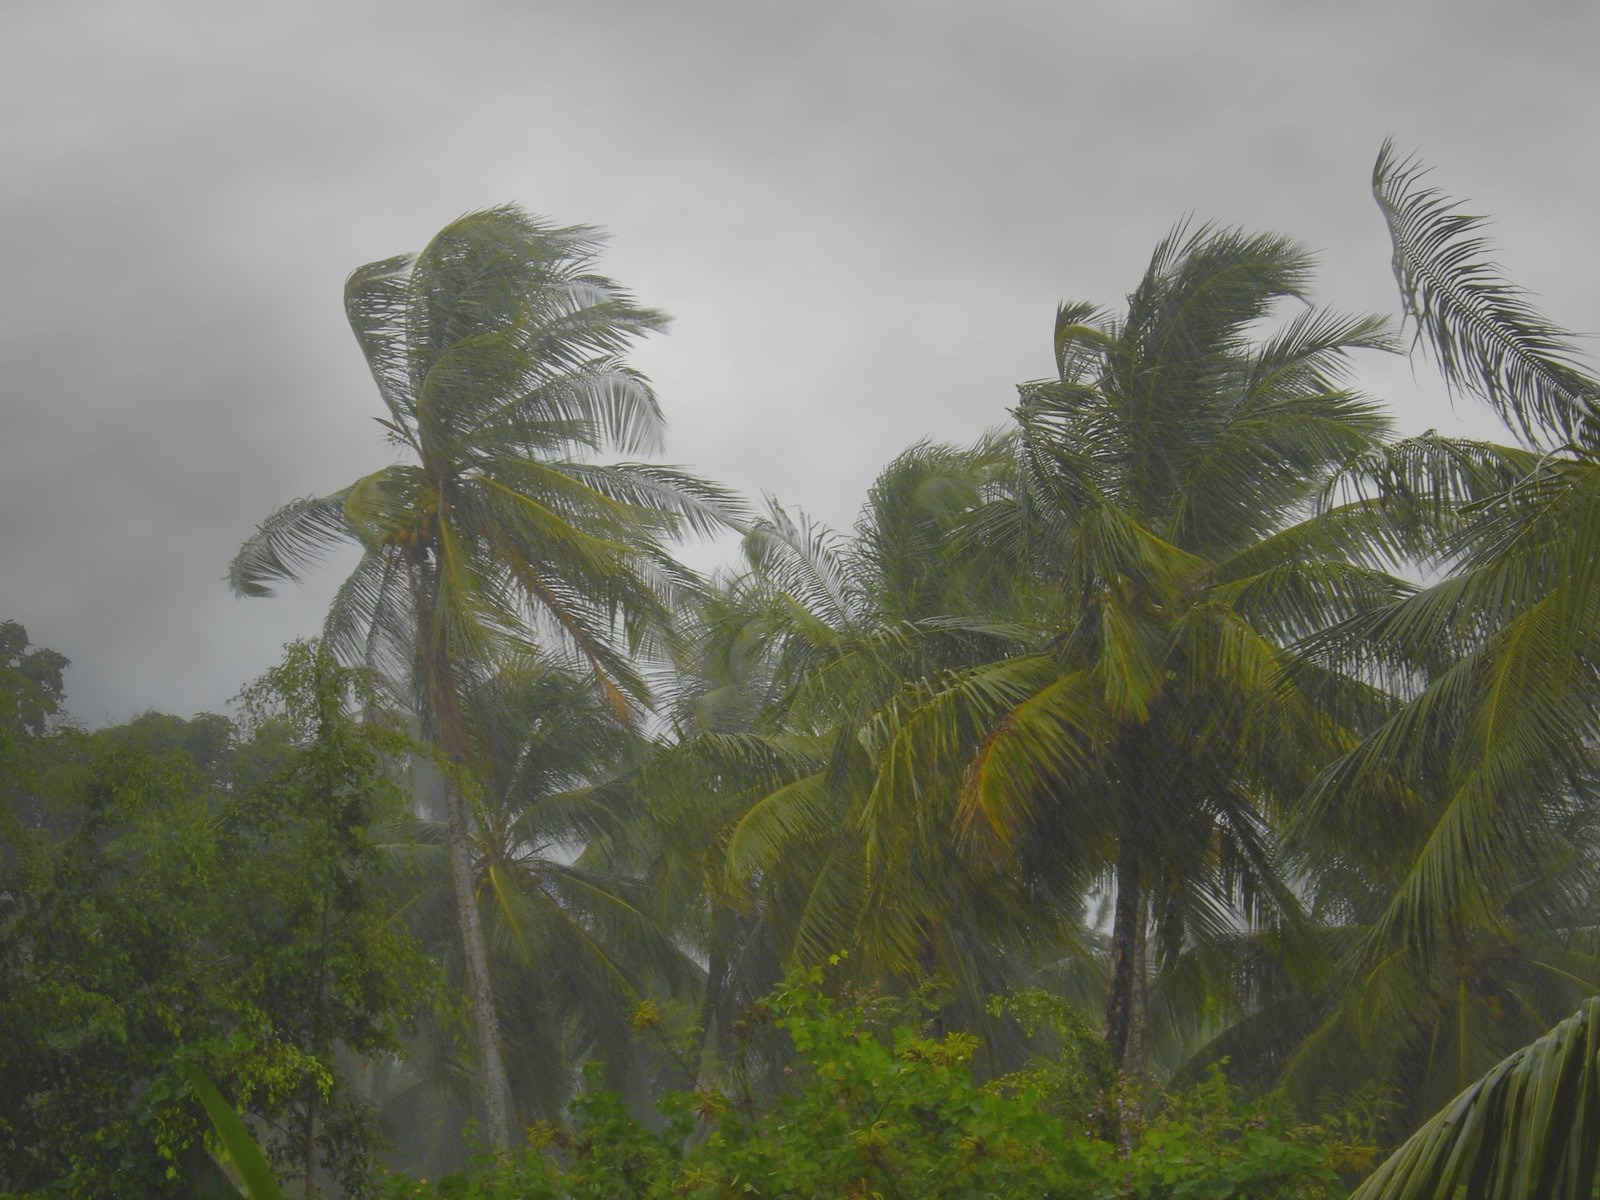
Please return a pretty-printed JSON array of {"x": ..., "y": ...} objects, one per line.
[{"x": 862, "y": 216}]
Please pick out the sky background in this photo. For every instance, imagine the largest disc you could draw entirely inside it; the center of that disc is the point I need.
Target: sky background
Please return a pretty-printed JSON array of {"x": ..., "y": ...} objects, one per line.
[{"x": 861, "y": 214}]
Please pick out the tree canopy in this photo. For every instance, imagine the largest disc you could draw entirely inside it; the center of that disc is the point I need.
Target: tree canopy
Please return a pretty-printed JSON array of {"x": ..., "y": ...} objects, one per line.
[{"x": 1182, "y": 790}]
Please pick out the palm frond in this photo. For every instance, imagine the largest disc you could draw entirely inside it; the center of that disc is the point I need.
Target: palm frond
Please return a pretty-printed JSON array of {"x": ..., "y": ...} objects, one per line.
[
  {"x": 1529, "y": 1128},
  {"x": 805, "y": 560},
  {"x": 704, "y": 507},
  {"x": 798, "y": 812},
  {"x": 295, "y": 537},
  {"x": 1486, "y": 337},
  {"x": 376, "y": 300},
  {"x": 372, "y": 621}
]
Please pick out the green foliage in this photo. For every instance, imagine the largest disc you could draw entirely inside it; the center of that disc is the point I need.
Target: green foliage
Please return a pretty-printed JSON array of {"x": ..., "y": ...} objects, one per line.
[
  {"x": 240, "y": 1146},
  {"x": 572, "y": 943},
  {"x": 497, "y": 352},
  {"x": 879, "y": 1106},
  {"x": 31, "y": 688},
  {"x": 1452, "y": 850},
  {"x": 1485, "y": 335},
  {"x": 1528, "y": 1128},
  {"x": 1142, "y": 650},
  {"x": 1166, "y": 514},
  {"x": 1206, "y": 1144},
  {"x": 161, "y": 923}
]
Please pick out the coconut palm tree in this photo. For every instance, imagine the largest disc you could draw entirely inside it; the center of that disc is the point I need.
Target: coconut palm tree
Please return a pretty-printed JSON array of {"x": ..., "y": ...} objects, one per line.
[
  {"x": 573, "y": 947},
  {"x": 1462, "y": 823},
  {"x": 1499, "y": 661},
  {"x": 497, "y": 354},
  {"x": 900, "y": 601},
  {"x": 1173, "y": 512},
  {"x": 761, "y": 795}
]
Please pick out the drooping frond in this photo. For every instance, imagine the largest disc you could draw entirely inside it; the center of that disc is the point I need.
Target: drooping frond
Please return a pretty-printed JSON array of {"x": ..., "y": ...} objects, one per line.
[
  {"x": 1486, "y": 336},
  {"x": 295, "y": 537},
  {"x": 372, "y": 620},
  {"x": 799, "y": 812},
  {"x": 1084, "y": 334},
  {"x": 909, "y": 551},
  {"x": 696, "y": 504},
  {"x": 805, "y": 560},
  {"x": 1528, "y": 1129},
  {"x": 1190, "y": 314},
  {"x": 500, "y": 268},
  {"x": 591, "y": 406}
]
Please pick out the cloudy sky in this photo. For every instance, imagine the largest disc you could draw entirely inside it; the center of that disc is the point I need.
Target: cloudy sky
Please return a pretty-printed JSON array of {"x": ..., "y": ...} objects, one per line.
[{"x": 862, "y": 214}]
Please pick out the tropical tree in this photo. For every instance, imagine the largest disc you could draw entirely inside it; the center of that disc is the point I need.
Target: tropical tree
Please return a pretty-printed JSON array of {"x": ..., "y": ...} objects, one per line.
[
  {"x": 1501, "y": 655},
  {"x": 1173, "y": 512},
  {"x": 573, "y": 946},
  {"x": 31, "y": 691},
  {"x": 497, "y": 354},
  {"x": 1463, "y": 822},
  {"x": 160, "y": 921},
  {"x": 901, "y": 600},
  {"x": 759, "y": 796}
]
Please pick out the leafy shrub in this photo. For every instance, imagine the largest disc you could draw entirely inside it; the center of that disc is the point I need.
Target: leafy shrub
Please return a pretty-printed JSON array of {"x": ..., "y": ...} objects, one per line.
[{"x": 882, "y": 1110}]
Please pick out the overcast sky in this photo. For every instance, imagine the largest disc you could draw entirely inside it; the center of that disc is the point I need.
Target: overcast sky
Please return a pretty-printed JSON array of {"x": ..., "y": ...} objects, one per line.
[{"x": 861, "y": 214}]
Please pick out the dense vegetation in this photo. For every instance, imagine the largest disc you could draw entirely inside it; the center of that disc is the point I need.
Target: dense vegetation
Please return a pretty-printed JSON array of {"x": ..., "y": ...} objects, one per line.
[{"x": 1110, "y": 812}]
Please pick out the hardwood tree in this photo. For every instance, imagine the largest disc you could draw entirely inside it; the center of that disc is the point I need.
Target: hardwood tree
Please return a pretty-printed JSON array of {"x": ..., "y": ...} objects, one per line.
[{"x": 225, "y": 914}]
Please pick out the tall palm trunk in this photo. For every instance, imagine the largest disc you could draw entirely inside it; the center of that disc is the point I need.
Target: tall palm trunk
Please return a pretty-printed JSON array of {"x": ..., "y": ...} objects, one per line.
[{"x": 493, "y": 1090}]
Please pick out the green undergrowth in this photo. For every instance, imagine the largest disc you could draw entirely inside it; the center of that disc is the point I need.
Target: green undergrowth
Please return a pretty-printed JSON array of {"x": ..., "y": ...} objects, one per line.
[{"x": 881, "y": 1108}]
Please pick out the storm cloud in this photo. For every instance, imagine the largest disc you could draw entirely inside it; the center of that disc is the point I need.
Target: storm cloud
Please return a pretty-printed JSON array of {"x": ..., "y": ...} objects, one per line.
[{"x": 862, "y": 216}]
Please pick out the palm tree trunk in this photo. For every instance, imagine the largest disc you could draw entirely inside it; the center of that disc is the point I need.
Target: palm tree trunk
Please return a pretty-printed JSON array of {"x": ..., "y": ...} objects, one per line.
[
  {"x": 308, "y": 1147},
  {"x": 493, "y": 1090},
  {"x": 1123, "y": 993},
  {"x": 1133, "y": 1058},
  {"x": 716, "y": 969}
]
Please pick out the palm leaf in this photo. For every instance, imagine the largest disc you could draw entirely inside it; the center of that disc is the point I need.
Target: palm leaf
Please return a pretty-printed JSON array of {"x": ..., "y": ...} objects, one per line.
[
  {"x": 295, "y": 537},
  {"x": 1529, "y": 1128},
  {"x": 376, "y": 297},
  {"x": 259, "y": 1182},
  {"x": 1487, "y": 338}
]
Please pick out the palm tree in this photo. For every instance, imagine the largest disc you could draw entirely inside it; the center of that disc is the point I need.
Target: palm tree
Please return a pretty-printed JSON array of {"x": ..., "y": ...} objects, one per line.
[
  {"x": 497, "y": 353},
  {"x": 572, "y": 945},
  {"x": 1173, "y": 512},
  {"x": 760, "y": 797},
  {"x": 1500, "y": 660},
  {"x": 1464, "y": 817},
  {"x": 901, "y": 601}
]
